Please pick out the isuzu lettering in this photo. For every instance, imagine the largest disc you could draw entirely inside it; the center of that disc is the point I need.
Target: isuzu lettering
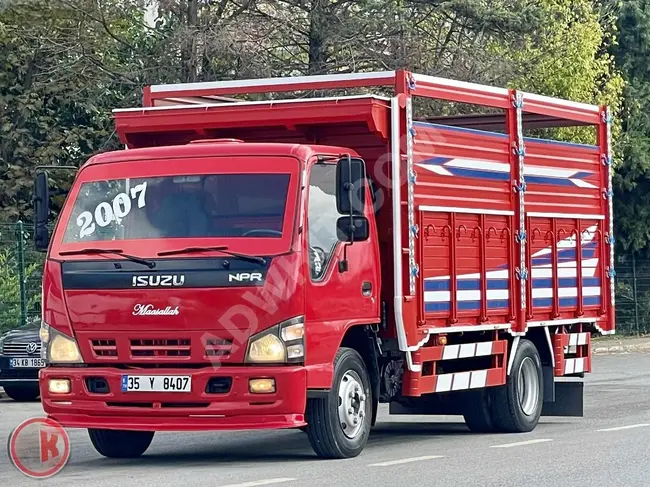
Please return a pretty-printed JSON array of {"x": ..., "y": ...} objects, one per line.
[{"x": 294, "y": 262}]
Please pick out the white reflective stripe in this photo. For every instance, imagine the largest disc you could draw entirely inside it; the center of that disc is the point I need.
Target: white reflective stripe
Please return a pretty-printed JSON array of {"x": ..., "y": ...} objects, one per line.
[
  {"x": 479, "y": 379},
  {"x": 566, "y": 292},
  {"x": 450, "y": 352},
  {"x": 578, "y": 338},
  {"x": 467, "y": 350},
  {"x": 484, "y": 348},
  {"x": 444, "y": 383},
  {"x": 537, "y": 214},
  {"x": 583, "y": 338},
  {"x": 464, "y": 295},
  {"x": 582, "y": 184},
  {"x": 575, "y": 365},
  {"x": 461, "y": 381},
  {"x": 453, "y": 209},
  {"x": 569, "y": 365}
]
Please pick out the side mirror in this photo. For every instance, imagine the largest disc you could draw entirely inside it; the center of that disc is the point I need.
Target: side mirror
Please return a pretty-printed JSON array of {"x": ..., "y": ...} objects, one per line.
[
  {"x": 41, "y": 211},
  {"x": 352, "y": 229},
  {"x": 350, "y": 186}
]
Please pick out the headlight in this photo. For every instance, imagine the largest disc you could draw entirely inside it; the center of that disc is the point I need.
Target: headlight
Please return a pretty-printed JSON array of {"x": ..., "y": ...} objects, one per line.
[
  {"x": 59, "y": 348},
  {"x": 280, "y": 344}
]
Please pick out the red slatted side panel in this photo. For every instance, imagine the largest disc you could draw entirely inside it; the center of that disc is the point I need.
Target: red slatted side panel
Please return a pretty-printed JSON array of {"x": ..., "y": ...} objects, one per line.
[
  {"x": 565, "y": 283},
  {"x": 464, "y": 201},
  {"x": 562, "y": 178},
  {"x": 564, "y": 214},
  {"x": 461, "y": 168}
]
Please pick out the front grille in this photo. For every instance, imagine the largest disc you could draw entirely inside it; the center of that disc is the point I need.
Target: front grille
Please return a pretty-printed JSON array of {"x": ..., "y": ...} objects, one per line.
[
  {"x": 217, "y": 347},
  {"x": 161, "y": 347},
  {"x": 19, "y": 349},
  {"x": 104, "y": 348}
]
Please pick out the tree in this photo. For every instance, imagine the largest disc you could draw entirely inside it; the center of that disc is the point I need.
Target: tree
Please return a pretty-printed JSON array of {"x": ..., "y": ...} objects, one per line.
[{"x": 632, "y": 178}]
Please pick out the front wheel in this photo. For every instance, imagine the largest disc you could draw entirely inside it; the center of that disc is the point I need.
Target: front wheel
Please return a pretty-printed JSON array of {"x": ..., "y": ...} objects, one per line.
[
  {"x": 120, "y": 444},
  {"x": 518, "y": 404},
  {"x": 339, "y": 424}
]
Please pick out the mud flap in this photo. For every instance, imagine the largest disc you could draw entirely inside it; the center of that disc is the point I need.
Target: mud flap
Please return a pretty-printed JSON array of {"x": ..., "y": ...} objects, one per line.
[{"x": 569, "y": 400}]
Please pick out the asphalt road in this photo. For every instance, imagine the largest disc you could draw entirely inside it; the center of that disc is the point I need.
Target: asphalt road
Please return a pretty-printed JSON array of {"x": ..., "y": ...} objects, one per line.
[{"x": 403, "y": 450}]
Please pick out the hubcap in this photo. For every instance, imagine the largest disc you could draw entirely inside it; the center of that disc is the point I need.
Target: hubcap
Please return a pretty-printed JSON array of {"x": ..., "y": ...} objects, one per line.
[
  {"x": 528, "y": 386},
  {"x": 352, "y": 404}
]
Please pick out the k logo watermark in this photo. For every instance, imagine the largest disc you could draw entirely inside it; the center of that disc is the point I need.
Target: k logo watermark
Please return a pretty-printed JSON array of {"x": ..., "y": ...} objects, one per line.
[{"x": 39, "y": 447}]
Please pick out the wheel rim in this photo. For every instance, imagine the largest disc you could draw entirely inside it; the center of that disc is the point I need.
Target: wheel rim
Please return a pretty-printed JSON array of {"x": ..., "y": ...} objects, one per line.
[
  {"x": 352, "y": 404},
  {"x": 528, "y": 386}
]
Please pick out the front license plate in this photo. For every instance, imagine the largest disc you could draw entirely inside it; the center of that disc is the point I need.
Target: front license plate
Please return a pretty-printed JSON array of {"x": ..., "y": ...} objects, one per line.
[
  {"x": 156, "y": 383},
  {"x": 26, "y": 363}
]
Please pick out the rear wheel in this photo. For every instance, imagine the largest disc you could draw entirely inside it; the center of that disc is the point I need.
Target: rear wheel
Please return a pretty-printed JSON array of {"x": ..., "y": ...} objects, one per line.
[
  {"x": 339, "y": 424},
  {"x": 22, "y": 392},
  {"x": 478, "y": 411},
  {"x": 518, "y": 404},
  {"x": 120, "y": 444}
]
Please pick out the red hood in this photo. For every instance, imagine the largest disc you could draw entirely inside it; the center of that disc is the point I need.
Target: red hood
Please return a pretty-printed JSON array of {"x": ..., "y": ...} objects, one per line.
[{"x": 176, "y": 311}]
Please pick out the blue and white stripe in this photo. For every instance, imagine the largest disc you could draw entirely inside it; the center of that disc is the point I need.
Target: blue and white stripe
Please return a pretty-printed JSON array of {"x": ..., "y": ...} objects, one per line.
[
  {"x": 498, "y": 171},
  {"x": 437, "y": 293}
]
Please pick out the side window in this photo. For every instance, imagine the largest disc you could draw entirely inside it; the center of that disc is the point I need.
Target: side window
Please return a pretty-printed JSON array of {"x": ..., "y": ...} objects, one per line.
[{"x": 322, "y": 216}]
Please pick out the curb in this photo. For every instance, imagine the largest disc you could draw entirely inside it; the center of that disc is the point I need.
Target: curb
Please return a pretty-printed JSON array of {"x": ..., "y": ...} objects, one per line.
[{"x": 621, "y": 348}]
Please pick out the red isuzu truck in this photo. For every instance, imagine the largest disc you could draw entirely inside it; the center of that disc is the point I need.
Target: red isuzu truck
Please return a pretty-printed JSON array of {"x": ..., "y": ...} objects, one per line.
[{"x": 294, "y": 262}]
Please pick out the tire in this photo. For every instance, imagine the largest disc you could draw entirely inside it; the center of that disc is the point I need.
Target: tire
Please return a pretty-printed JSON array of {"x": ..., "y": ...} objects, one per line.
[
  {"x": 120, "y": 444},
  {"x": 23, "y": 393},
  {"x": 331, "y": 429},
  {"x": 478, "y": 412},
  {"x": 511, "y": 413}
]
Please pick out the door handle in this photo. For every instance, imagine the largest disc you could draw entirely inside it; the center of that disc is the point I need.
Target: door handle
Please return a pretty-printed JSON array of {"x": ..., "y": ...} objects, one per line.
[{"x": 366, "y": 288}]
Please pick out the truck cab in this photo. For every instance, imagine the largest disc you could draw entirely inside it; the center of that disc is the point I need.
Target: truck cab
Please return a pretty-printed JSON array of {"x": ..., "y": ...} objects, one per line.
[{"x": 205, "y": 286}]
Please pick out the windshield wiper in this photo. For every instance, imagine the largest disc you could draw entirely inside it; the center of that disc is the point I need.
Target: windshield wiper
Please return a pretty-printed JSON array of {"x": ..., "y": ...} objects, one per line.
[
  {"x": 149, "y": 263},
  {"x": 224, "y": 249}
]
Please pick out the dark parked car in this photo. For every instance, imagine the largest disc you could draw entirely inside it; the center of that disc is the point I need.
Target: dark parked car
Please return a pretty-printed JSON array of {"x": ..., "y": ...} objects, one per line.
[{"x": 20, "y": 361}]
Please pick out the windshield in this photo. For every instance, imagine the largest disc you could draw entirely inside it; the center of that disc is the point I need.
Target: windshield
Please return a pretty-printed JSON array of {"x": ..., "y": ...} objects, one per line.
[{"x": 187, "y": 206}]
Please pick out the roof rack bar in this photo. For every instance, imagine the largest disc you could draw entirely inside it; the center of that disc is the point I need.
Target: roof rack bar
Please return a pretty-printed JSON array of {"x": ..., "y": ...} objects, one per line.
[
  {"x": 402, "y": 82},
  {"x": 458, "y": 91},
  {"x": 270, "y": 85}
]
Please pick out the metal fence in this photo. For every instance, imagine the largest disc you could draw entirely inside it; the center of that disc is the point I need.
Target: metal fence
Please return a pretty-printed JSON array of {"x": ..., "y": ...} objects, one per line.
[
  {"x": 21, "y": 270},
  {"x": 21, "y": 274}
]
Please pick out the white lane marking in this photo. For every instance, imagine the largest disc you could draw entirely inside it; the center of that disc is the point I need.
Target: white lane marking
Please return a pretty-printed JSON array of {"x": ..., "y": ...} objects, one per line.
[
  {"x": 521, "y": 443},
  {"x": 406, "y": 460},
  {"x": 628, "y": 427},
  {"x": 261, "y": 482}
]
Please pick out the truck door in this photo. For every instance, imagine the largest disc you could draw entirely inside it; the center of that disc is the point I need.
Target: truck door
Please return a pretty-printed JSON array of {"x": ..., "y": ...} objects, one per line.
[{"x": 335, "y": 299}]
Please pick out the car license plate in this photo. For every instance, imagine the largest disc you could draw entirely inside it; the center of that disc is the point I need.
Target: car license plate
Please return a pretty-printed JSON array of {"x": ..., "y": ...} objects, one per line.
[
  {"x": 156, "y": 383},
  {"x": 26, "y": 363}
]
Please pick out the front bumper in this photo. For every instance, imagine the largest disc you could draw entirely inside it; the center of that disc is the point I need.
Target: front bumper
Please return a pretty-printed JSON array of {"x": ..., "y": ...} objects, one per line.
[
  {"x": 10, "y": 376},
  {"x": 178, "y": 411}
]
